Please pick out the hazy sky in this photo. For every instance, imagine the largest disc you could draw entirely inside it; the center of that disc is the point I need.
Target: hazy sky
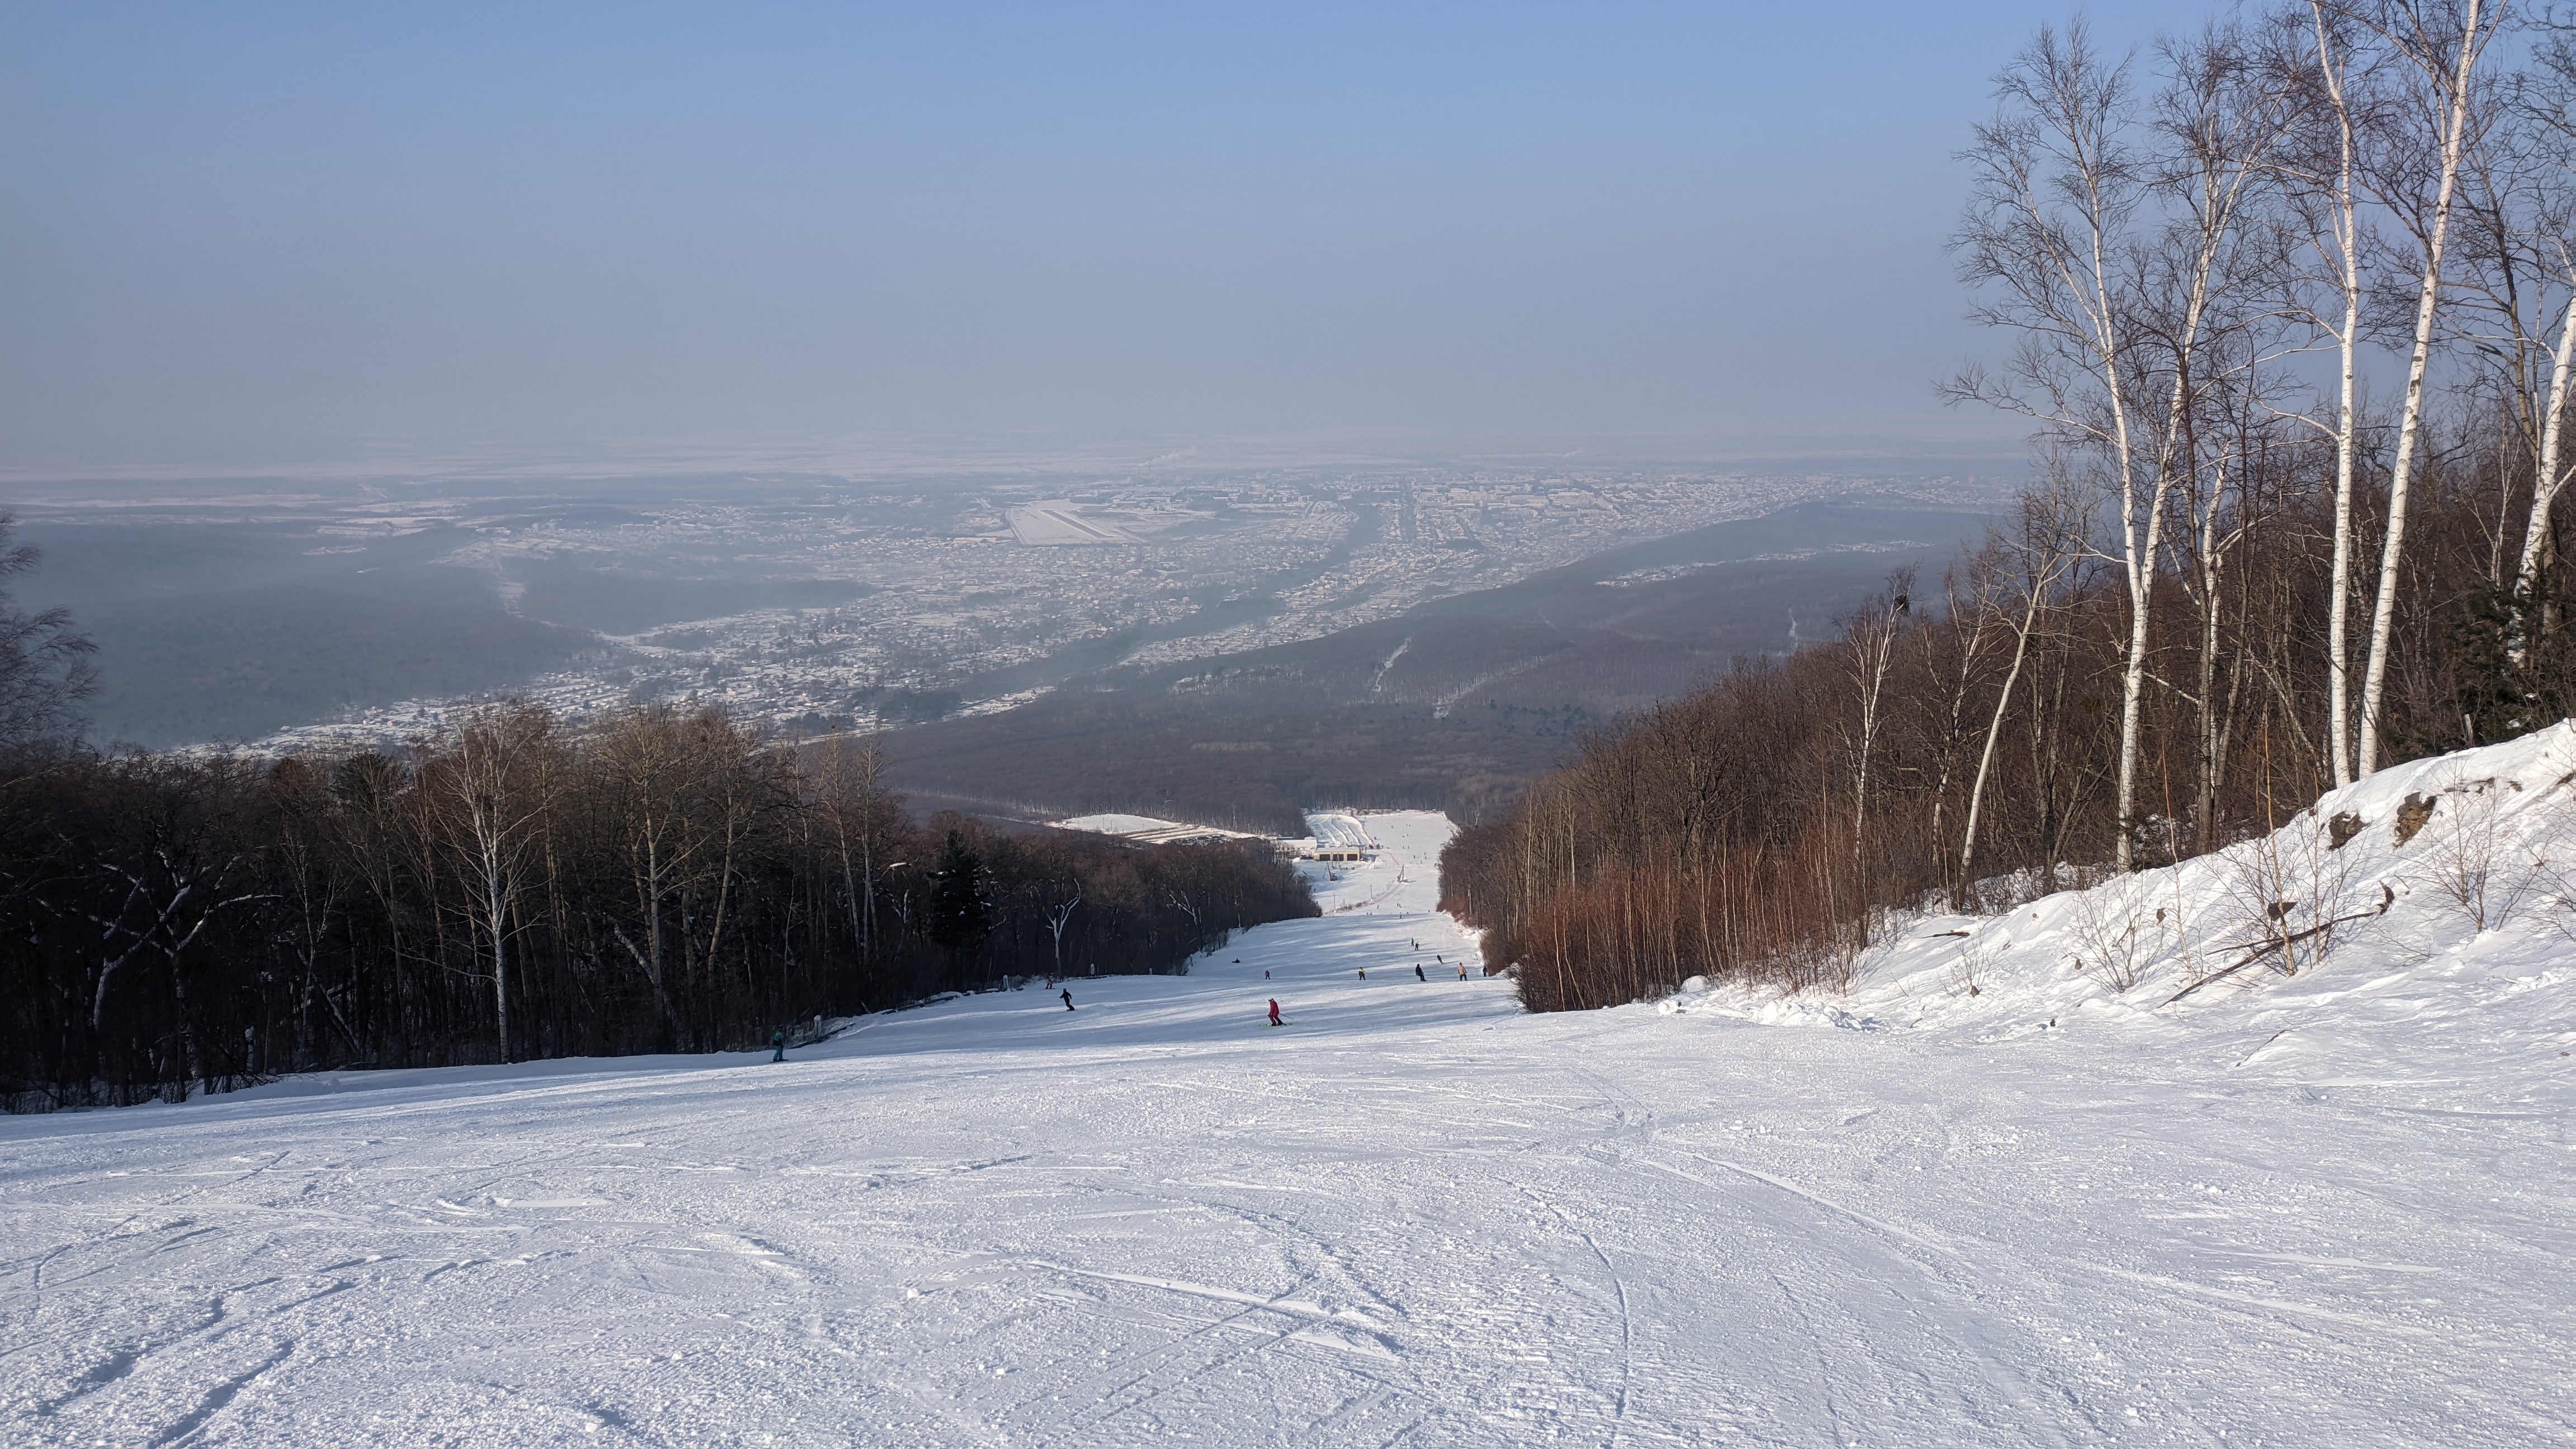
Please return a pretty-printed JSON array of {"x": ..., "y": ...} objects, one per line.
[{"x": 238, "y": 232}]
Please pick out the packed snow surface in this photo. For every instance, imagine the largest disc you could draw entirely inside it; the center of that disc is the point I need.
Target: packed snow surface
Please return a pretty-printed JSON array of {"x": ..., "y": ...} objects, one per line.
[
  {"x": 2330, "y": 1209},
  {"x": 1148, "y": 830}
]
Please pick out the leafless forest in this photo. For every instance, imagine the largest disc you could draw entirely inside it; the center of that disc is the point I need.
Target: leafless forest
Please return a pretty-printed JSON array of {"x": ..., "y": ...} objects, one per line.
[
  {"x": 663, "y": 880},
  {"x": 2244, "y": 575}
]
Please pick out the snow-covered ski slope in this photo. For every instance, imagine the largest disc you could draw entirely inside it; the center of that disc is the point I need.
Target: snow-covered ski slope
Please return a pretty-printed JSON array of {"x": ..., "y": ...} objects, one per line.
[{"x": 2331, "y": 1210}]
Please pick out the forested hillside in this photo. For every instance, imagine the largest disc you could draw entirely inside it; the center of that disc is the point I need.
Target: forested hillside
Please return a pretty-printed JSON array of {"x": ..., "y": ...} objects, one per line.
[
  {"x": 2243, "y": 578},
  {"x": 662, "y": 880}
]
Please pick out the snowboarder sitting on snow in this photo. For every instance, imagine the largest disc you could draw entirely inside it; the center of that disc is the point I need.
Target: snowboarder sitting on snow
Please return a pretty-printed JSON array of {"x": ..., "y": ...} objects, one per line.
[
  {"x": 1068, "y": 998},
  {"x": 778, "y": 1046},
  {"x": 1274, "y": 1012}
]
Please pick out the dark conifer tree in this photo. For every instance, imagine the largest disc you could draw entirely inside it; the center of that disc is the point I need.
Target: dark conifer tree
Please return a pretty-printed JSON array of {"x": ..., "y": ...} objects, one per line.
[{"x": 960, "y": 916}]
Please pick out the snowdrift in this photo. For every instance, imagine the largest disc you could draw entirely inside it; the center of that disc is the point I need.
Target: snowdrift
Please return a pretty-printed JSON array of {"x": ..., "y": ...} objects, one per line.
[{"x": 2438, "y": 896}]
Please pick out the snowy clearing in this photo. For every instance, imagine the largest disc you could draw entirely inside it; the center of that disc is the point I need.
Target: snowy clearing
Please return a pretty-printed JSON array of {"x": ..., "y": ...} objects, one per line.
[
  {"x": 1147, "y": 830},
  {"x": 2330, "y": 1210}
]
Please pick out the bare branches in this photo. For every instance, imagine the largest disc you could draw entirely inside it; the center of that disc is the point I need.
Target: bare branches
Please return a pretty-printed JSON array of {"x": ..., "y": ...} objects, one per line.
[{"x": 45, "y": 665}]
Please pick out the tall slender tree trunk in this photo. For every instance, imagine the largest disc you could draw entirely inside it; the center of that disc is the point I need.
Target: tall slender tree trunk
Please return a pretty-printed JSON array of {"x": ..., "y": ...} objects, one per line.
[
  {"x": 2547, "y": 479},
  {"x": 496, "y": 909},
  {"x": 2347, "y": 222},
  {"x": 2454, "y": 140},
  {"x": 1994, "y": 732}
]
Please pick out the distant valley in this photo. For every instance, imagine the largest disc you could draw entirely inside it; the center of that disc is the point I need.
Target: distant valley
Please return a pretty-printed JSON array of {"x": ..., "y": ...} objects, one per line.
[
  {"x": 1449, "y": 705},
  {"x": 1232, "y": 646}
]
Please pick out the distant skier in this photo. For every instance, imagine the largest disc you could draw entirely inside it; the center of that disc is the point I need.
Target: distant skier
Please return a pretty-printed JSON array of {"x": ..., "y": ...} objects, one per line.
[
  {"x": 1274, "y": 1012},
  {"x": 1364, "y": 973},
  {"x": 1068, "y": 998},
  {"x": 778, "y": 1046},
  {"x": 1417, "y": 972},
  {"x": 1462, "y": 970}
]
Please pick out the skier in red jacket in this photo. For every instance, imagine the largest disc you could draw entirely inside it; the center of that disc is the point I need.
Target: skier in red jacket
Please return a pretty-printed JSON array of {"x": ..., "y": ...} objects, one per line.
[{"x": 1274, "y": 1012}]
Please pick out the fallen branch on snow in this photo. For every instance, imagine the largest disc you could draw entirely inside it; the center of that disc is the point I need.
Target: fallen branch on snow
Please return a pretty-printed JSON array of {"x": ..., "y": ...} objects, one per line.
[{"x": 2387, "y": 896}]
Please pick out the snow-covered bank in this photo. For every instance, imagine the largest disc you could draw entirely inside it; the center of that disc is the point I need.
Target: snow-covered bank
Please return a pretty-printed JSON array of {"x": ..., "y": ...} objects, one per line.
[
  {"x": 2427, "y": 917},
  {"x": 1411, "y": 1216}
]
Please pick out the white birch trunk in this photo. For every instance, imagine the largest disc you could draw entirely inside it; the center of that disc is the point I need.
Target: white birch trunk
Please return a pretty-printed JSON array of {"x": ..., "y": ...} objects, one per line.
[
  {"x": 2347, "y": 218},
  {"x": 2547, "y": 479},
  {"x": 2383, "y": 614},
  {"x": 1994, "y": 732}
]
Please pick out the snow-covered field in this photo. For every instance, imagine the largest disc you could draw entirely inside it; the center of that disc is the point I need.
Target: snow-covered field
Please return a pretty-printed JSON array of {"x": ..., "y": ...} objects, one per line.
[
  {"x": 2331, "y": 1210},
  {"x": 1147, "y": 830}
]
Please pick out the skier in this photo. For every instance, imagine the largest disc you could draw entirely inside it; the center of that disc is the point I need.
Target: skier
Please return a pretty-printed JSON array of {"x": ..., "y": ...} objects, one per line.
[
  {"x": 1462, "y": 970},
  {"x": 1068, "y": 998},
  {"x": 1417, "y": 972},
  {"x": 1274, "y": 1012},
  {"x": 778, "y": 1046},
  {"x": 1364, "y": 973}
]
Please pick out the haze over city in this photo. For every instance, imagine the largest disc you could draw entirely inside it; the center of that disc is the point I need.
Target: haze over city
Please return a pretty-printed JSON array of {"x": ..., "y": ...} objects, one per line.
[{"x": 307, "y": 236}]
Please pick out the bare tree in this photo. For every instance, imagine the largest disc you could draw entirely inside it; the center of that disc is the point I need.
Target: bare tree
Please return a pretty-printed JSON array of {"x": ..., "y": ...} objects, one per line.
[
  {"x": 1869, "y": 642},
  {"x": 179, "y": 872},
  {"x": 657, "y": 761},
  {"x": 2114, "y": 311},
  {"x": 45, "y": 669},
  {"x": 2440, "y": 41},
  {"x": 2050, "y": 535},
  {"x": 849, "y": 782},
  {"x": 2050, "y": 229},
  {"x": 2543, "y": 236},
  {"x": 2327, "y": 69},
  {"x": 2226, "y": 118},
  {"x": 485, "y": 792},
  {"x": 1056, "y": 913}
]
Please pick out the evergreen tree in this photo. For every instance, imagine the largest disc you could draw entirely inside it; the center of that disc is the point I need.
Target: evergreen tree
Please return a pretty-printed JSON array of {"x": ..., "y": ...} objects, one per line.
[{"x": 960, "y": 917}]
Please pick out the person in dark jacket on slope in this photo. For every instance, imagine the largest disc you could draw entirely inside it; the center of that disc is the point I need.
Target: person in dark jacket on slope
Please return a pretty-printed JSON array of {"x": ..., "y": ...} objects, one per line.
[{"x": 1068, "y": 998}]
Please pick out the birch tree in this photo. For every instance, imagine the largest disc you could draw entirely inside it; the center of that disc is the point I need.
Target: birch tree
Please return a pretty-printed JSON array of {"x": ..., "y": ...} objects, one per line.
[
  {"x": 2049, "y": 536},
  {"x": 2545, "y": 105},
  {"x": 2224, "y": 118},
  {"x": 485, "y": 793},
  {"x": 2439, "y": 42},
  {"x": 2048, "y": 240},
  {"x": 1869, "y": 642},
  {"x": 2107, "y": 261},
  {"x": 847, "y": 778},
  {"x": 2324, "y": 64}
]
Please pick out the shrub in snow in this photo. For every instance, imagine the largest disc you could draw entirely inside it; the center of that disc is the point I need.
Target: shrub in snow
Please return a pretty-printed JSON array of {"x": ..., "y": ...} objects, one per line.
[
  {"x": 2287, "y": 894},
  {"x": 2471, "y": 863}
]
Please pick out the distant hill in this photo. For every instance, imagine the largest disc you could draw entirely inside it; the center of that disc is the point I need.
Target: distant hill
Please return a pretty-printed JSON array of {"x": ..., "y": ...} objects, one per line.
[{"x": 1453, "y": 705}]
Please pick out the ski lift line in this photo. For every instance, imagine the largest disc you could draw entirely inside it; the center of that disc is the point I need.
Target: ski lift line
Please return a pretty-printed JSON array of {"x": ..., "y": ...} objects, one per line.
[{"x": 1383, "y": 896}]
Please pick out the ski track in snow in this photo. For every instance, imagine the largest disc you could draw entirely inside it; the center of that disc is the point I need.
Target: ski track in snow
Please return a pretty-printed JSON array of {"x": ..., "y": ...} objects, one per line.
[{"x": 1413, "y": 1216}]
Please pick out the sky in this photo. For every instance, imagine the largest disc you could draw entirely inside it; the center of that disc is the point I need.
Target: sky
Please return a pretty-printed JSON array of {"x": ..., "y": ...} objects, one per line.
[{"x": 252, "y": 233}]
